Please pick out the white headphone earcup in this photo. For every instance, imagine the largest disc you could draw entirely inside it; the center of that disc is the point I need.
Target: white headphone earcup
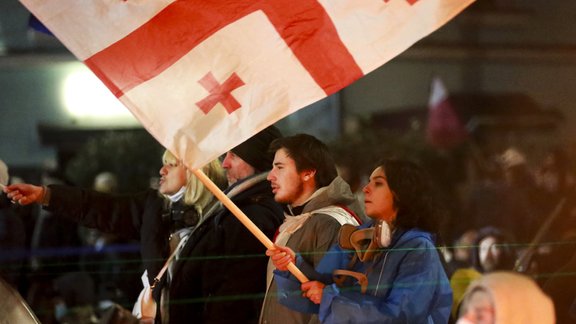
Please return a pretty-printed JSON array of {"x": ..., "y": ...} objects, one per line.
[{"x": 384, "y": 234}]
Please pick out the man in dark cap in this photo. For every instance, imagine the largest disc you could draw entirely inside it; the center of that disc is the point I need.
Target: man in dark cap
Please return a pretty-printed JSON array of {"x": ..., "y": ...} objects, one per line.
[
  {"x": 250, "y": 157},
  {"x": 220, "y": 274}
]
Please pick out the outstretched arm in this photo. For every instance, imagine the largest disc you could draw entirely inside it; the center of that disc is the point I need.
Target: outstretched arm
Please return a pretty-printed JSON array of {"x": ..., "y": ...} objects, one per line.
[
  {"x": 25, "y": 194},
  {"x": 121, "y": 214}
]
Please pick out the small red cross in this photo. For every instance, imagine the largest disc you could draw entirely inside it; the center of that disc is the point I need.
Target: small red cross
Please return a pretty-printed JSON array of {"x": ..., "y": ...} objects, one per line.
[{"x": 220, "y": 93}]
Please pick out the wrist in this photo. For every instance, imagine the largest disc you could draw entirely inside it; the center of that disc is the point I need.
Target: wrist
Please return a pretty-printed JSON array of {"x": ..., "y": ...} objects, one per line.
[{"x": 45, "y": 197}]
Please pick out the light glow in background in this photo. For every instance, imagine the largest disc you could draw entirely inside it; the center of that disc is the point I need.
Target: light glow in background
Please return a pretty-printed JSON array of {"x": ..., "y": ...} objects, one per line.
[{"x": 87, "y": 99}]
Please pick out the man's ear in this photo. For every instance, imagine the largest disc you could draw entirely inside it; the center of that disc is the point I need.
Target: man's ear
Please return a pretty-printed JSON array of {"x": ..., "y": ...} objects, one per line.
[{"x": 308, "y": 174}]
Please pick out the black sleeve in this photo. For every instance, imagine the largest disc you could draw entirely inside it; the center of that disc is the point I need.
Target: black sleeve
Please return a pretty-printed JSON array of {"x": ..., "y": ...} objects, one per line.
[
  {"x": 241, "y": 267},
  {"x": 119, "y": 214}
]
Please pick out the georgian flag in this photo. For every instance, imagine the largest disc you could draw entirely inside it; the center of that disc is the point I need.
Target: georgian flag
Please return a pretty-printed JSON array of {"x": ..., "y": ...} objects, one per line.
[
  {"x": 444, "y": 129},
  {"x": 202, "y": 76}
]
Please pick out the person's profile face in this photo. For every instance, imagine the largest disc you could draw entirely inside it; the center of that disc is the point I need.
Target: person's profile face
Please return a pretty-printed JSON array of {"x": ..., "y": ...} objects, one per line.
[
  {"x": 286, "y": 181},
  {"x": 172, "y": 177},
  {"x": 378, "y": 198},
  {"x": 236, "y": 168},
  {"x": 478, "y": 309}
]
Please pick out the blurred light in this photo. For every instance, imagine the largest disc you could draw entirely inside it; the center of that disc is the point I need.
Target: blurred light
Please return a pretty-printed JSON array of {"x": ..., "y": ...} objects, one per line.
[{"x": 85, "y": 96}]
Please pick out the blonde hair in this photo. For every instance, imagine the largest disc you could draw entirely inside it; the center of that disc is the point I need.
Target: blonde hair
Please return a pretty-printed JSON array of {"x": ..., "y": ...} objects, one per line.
[{"x": 196, "y": 193}]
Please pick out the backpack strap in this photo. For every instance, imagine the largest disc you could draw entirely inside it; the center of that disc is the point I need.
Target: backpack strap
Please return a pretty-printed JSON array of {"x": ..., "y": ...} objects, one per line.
[
  {"x": 341, "y": 275},
  {"x": 339, "y": 213},
  {"x": 351, "y": 212}
]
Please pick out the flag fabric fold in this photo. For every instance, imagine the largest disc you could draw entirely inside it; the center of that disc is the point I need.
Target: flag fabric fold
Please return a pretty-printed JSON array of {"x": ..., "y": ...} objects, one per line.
[{"x": 204, "y": 75}]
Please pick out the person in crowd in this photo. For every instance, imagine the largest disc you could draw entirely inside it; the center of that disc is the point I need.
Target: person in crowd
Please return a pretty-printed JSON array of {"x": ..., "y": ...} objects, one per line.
[
  {"x": 504, "y": 197},
  {"x": 554, "y": 176},
  {"x": 154, "y": 217},
  {"x": 555, "y": 179},
  {"x": 386, "y": 271},
  {"x": 461, "y": 256},
  {"x": 526, "y": 214},
  {"x": 75, "y": 296},
  {"x": 111, "y": 259},
  {"x": 316, "y": 202},
  {"x": 460, "y": 268},
  {"x": 493, "y": 250},
  {"x": 55, "y": 250},
  {"x": 12, "y": 237},
  {"x": 506, "y": 297},
  {"x": 220, "y": 274},
  {"x": 459, "y": 282},
  {"x": 4, "y": 177}
]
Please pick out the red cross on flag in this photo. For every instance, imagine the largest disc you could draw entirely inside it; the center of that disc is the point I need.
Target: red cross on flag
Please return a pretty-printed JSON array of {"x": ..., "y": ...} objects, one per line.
[{"x": 204, "y": 75}]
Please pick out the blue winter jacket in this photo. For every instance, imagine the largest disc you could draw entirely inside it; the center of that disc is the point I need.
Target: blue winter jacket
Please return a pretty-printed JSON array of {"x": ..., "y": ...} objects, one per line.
[{"x": 406, "y": 284}]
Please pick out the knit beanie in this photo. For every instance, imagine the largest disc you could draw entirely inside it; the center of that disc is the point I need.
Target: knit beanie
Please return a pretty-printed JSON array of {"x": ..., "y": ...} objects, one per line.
[
  {"x": 3, "y": 173},
  {"x": 254, "y": 150}
]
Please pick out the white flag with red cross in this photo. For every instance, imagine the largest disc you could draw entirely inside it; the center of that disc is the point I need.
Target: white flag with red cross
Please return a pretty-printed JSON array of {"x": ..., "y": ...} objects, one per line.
[{"x": 204, "y": 75}]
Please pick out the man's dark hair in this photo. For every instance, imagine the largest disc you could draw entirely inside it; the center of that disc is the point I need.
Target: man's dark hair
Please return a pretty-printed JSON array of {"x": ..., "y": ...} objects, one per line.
[{"x": 309, "y": 153}]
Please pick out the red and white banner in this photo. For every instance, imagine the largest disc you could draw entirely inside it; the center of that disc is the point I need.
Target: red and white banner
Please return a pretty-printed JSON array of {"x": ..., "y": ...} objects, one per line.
[
  {"x": 444, "y": 129},
  {"x": 204, "y": 75}
]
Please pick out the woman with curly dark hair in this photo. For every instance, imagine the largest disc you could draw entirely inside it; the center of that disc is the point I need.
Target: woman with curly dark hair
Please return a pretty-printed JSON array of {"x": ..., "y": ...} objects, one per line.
[{"x": 387, "y": 270}]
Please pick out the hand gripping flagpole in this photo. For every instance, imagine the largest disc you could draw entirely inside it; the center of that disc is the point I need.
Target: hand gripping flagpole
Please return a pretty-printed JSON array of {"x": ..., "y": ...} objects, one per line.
[{"x": 244, "y": 219}]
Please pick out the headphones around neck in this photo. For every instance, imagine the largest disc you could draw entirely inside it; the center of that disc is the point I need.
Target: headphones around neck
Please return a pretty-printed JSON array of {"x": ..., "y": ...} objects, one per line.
[{"x": 366, "y": 241}]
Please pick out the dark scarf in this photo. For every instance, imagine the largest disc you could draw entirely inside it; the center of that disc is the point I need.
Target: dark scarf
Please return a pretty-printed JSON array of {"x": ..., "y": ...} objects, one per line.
[
  {"x": 294, "y": 211},
  {"x": 179, "y": 215}
]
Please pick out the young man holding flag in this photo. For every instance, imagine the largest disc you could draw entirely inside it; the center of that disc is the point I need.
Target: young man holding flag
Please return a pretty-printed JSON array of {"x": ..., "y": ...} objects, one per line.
[{"x": 316, "y": 202}]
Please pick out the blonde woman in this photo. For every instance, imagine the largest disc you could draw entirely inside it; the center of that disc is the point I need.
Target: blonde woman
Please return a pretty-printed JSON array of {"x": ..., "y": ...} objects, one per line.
[{"x": 187, "y": 198}]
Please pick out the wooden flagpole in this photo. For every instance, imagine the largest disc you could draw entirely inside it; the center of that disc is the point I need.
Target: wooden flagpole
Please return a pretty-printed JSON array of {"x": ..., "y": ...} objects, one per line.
[
  {"x": 244, "y": 219},
  {"x": 523, "y": 262}
]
